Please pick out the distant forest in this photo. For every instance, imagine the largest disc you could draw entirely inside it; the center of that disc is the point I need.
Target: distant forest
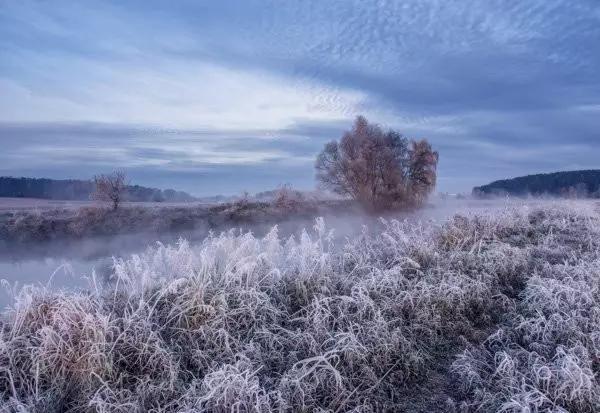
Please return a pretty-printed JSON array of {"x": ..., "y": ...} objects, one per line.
[
  {"x": 577, "y": 184},
  {"x": 79, "y": 190}
]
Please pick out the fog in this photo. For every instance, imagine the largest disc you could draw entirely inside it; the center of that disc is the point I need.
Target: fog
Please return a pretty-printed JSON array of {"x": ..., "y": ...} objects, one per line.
[
  {"x": 404, "y": 316},
  {"x": 67, "y": 264}
]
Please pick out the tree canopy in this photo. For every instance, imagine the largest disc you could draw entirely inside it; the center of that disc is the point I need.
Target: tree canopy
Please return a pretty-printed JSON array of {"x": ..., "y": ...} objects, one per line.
[{"x": 379, "y": 168}]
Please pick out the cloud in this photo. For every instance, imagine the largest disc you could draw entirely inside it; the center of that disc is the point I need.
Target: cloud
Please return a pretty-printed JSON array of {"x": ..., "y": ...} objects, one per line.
[
  {"x": 199, "y": 90},
  {"x": 192, "y": 94},
  {"x": 195, "y": 159}
]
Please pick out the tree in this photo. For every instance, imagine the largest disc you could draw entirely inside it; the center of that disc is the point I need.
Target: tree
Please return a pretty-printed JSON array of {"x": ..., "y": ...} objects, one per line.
[
  {"x": 110, "y": 188},
  {"x": 380, "y": 169},
  {"x": 422, "y": 171}
]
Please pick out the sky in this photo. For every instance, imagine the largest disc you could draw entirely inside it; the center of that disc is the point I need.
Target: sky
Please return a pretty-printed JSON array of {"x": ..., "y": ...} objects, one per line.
[{"x": 220, "y": 97}]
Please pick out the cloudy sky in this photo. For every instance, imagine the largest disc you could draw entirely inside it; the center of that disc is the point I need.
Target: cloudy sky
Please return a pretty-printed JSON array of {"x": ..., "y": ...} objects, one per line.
[{"x": 224, "y": 96}]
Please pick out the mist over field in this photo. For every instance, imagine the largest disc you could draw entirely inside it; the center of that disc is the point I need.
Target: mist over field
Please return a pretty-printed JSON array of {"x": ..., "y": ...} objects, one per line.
[
  {"x": 35, "y": 262},
  {"x": 259, "y": 206},
  {"x": 75, "y": 258},
  {"x": 463, "y": 306}
]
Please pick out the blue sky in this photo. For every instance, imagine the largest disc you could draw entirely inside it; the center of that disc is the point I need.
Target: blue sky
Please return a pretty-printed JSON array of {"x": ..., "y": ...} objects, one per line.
[{"x": 225, "y": 96}]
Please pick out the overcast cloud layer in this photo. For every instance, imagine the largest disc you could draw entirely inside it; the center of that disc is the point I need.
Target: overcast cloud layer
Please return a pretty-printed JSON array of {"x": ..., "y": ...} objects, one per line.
[{"x": 223, "y": 96}]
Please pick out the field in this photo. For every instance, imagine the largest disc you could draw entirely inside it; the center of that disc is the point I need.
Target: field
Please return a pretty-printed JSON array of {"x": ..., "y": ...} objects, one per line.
[
  {"x": 35, "y": 204},
  {"x": 29, "y": 222},
  {"x": 487, "y": 311}
]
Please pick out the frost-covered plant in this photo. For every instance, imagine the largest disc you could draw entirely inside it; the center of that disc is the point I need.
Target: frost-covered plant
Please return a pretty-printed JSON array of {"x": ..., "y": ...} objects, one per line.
[
  {"x": 239, "y": 323},
  {"x": 546, "y": 357}
]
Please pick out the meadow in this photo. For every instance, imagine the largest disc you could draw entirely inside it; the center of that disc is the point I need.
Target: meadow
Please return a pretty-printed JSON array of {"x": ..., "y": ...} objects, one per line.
[
  {"x": 30, "y": 222},
  {"x": 495, "y": 310}
]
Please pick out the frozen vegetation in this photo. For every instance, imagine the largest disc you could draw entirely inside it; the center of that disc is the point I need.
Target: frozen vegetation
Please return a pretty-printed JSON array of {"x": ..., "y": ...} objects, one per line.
[
  {"x": 20, "y": 227},
  {"x": 487, "y": 312}
]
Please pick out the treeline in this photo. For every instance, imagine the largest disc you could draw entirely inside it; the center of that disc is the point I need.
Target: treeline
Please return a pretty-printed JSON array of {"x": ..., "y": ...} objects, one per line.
[
  {"x": 579, "y": 184},
  {"x": 80, "y": 190}
]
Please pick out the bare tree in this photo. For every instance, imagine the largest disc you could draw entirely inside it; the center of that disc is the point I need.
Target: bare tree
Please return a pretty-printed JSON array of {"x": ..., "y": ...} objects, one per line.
[
  {"x": 110, "y": 188},
  {"x": 378, "y": 168},
  {"x": 422, "y": 173}
]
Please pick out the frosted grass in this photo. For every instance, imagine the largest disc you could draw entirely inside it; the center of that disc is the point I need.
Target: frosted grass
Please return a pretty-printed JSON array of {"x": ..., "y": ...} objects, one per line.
[{"x": 500, "y": 311}]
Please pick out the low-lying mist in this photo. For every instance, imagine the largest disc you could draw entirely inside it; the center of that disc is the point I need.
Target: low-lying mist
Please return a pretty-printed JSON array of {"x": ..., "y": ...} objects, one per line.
[
  {"x": 494, "y": 309},
  {"x": 63, "y": 263}
]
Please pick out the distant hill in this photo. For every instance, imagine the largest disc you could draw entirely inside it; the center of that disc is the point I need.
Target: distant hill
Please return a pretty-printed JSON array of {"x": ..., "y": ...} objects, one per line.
[
  {"x": 571, "y": 183},
  {"x": 79, "y": 190}
]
